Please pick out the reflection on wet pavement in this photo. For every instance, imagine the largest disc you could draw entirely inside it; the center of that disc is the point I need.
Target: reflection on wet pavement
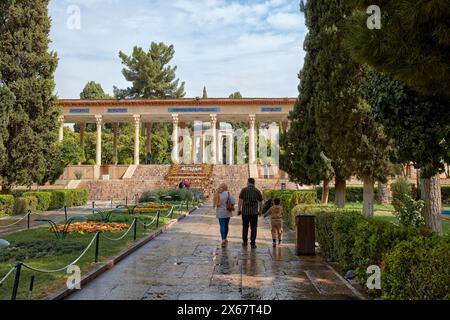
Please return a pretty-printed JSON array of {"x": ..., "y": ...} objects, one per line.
[{"x": 187, "y": 263}]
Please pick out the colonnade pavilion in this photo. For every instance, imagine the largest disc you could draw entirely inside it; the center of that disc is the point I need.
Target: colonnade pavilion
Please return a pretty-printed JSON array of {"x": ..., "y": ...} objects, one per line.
[{"x": 215, "y": 113}]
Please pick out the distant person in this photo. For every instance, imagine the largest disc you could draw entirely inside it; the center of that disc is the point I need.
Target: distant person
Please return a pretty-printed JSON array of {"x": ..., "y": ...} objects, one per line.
[
  {"x": 181, "y": 185},
  {"x": 148, "y": 158},
  {"x": 250, "y": 207},
  {"x": 276, "y": 219},
  {"x": 224, "y": 204},
  {"x": 187, "y": 184}
]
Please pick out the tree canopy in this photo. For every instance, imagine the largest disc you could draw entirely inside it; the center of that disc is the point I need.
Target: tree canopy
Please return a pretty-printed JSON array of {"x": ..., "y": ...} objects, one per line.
[{"x": 93, "y": 91}]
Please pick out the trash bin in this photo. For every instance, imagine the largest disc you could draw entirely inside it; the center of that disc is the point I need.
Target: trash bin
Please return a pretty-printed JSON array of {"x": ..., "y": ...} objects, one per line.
[{"x": 306, "y": 235}]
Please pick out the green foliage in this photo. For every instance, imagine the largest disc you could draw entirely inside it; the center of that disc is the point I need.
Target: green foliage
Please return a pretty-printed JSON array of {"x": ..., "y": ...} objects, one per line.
[
  {"x": 418, "y": 269},
  {"x": 400, "y": 189},
  {"x": 352, "y": 194},
  {"x": 205, "y": 93},
  {"x": 93, "y": 91},
  {"x": 236, "y": 95},
  {"x": 6, "y": 204},
  {"x": 412, "y": 44},
  {"x": 27, "y": 69},
  {"x": 71, "y": 151},
  {"x": 410, "y": 213},
  {"x": 374, "y": 239},
  {"x": 43, "y": 199},
  {"x": 176, "y": 194},
  {"x": 325, "y": 234},
  {"x": 150, "y": 74},
  {"x": 26, "y": 250},
  {"x": 6, "y": 106},
  {"x": 23, "y": 205},
  {"x": 69, "y": 198}
]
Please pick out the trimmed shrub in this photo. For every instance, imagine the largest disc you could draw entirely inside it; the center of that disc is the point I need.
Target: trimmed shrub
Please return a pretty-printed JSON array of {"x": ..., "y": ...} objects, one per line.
[
  {"x": 304, "y": 196},
  {"x": 43, "y": 199},
  {"x": 79, "y": 196},
  {"x": 373, "y": 239},
  {"x": 24, "y": 204},
  {"x": 418, "y": 269},
  {"x": 6, "y": 204},
  {"x": 324, "y": 234},
  {"x": 344, "y": 231},
  {"x": 352, "y": 194},
  {"x": 400, "y": 189}
]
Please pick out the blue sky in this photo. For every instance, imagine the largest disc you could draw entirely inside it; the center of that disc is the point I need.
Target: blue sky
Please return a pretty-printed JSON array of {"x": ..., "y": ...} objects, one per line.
[{"x": 228, "y": 45}]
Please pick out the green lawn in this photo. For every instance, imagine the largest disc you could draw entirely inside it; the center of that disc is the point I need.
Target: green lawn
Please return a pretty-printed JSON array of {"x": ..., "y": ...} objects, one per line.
[
  {"x": 44, "y": 283},
  {"x": 386, "y": 213}
]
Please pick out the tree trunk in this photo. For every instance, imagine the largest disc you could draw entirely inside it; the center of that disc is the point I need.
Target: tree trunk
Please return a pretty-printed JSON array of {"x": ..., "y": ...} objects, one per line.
[
  {"x": 383, "y": 195},
  {"x": 368, "y": 196},
  {"x": 431, "y": 194},
  {"x": 325, "y": 191},
  {"x": 419, "y": 189},
  {"x": 339, "y": 192}
]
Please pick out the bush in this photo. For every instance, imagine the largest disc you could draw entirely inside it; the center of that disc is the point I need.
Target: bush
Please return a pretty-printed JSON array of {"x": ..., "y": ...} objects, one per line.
[
  {"x": 24, "y": 204},
  {"x": 304, "y": 196},
  {"x": 418, "y": 269},
  {"x": 324, "y": 234},
  {"x": 400, "y": 189},
  {"x": 70, "y": 198},
  {"x": 79, "y": 196},
  {"x": 344, "y": 232},
  {"x": 374, "y": 239},
  {"x": 352, "y": 194},
  {"x": 43, "y": 199},
  {"x": 445, "y": 191},
  {"x": 6, "y": 204},
  {"x": 410, "y": 214}
]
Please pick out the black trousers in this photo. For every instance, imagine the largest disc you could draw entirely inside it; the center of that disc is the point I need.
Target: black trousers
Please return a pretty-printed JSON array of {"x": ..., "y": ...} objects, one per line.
[{"x": 252, "y": 222}]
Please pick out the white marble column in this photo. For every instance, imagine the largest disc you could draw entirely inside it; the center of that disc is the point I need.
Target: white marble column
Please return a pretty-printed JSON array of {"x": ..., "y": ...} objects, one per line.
[
  {"x": 175, "y": 149},
  {"x": 137, "y": 124},
  {"x": 61, "y": 128},
  {"x": 98, "y": 146},
  {"x": 115, "y": 129},
  {"x": 252, "y": 139},
  {"x": 148, "y": 141},
  {"x": 214, "y": 138}
]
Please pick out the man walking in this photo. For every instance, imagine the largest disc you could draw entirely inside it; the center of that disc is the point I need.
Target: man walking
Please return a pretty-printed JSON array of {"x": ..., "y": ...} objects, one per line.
[{"x": 250, "y": 207}]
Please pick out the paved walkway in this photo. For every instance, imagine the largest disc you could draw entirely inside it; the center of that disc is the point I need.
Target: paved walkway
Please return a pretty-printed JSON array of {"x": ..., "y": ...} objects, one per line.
[{"x": 187, "y": 263}]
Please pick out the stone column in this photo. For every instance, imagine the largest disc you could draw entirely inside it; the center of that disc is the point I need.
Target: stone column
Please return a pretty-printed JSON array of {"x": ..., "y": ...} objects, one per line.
[
  {"x": 231, "y": 149},
  {"x": 82, "y": 131},
  {"x": 137, "y": 123},
  {"x": 115, "y": 129},
  {"x": 61, "y": 128},
  {"x": 214, "y": 138},
  {"x": 175, "y": 150},
  {"x": 148, "y": 136},
  {"x": 252, "y": 139},
  {"x": 98, "y": 146}
]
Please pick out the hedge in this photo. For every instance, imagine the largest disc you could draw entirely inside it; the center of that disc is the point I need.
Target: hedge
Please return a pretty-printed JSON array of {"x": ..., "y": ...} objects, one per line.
[
  {"x": 355, "y": 242},
  {"x": 6, "y": 204},
  {"x": 23, "y": 205},
  {"x": 418, "y": 269},
  {"x": 43, "y": 199},
  {"x": 355, "y": 194}
]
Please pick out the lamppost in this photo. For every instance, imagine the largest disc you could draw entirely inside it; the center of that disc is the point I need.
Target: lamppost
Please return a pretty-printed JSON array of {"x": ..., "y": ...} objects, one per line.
[{"x": 3, "y": 244}]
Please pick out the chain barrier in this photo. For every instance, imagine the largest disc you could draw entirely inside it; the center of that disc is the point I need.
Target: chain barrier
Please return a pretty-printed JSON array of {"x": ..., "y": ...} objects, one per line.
[
  {"x": 121, "y": 237},
  {"x": 13, "y": 224},
  {"x": 7, "y": 275}
]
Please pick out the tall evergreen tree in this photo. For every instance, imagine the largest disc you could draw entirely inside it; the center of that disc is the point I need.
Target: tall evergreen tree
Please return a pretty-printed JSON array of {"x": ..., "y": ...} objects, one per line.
[
  {"x": 236, "y": 95},
  {"x": 349, "y": 135},
  {"x": 303, "y": 157},
  {"x": 205, "y": 93},
  {"x": 6, "y": 106},
  {"x": 93, "y": 91},
  {"x": 150, "y": 74},
  {"x": 27, "y": 69},
  {"x": 412, "y": 46}
]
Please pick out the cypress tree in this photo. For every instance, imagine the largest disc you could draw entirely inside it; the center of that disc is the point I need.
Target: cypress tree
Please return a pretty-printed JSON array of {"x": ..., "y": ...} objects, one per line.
[
  {"x": 27, "y": 70},
  {"x": 93, "y": 91},
  {"x": 205, "y": 93}
]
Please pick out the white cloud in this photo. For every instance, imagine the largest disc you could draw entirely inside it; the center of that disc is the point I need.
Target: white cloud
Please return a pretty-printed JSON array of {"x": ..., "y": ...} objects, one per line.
[{"x": 250, "y": 46}]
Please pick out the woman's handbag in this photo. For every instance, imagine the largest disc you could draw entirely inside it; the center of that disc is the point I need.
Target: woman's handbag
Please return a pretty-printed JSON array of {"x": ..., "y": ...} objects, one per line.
[{"x": 230, "y": 205}]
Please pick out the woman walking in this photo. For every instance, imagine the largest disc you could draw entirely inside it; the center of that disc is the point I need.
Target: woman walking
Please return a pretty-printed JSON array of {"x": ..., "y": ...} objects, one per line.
[{"x": 224, "y": 204}]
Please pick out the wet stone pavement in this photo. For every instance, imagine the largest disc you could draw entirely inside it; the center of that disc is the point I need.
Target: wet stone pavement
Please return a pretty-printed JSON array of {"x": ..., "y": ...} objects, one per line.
[{"x": 188, "y": 263}]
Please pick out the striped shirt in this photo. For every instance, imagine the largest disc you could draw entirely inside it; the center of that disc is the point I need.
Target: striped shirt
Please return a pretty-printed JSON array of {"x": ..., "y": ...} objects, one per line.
[{"x": 250, "y": 197}]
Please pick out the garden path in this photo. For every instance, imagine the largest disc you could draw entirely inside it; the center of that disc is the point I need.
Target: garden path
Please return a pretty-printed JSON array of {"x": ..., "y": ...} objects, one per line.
[{"x": 188, "y": 263}]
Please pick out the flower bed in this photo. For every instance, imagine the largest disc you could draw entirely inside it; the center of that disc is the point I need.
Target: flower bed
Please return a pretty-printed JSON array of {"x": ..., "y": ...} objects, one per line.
[{"x": 93, "y": 227}]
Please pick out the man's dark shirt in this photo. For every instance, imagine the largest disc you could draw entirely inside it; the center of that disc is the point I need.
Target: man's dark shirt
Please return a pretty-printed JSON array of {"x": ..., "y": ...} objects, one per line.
[{"x": 250, "y": 198}]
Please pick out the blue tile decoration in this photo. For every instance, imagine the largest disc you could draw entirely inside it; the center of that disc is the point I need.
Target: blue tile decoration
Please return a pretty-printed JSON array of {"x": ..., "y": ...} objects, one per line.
[
  {"x": 115, "y": 110},
  {"x": 272, "y": 109},
  {"x": 194, "y": 110},
  {"x": 78, "y": 111}
]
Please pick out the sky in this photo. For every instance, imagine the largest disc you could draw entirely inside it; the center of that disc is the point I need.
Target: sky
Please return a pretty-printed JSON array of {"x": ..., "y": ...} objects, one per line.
[{"x": 251, "y": 46}]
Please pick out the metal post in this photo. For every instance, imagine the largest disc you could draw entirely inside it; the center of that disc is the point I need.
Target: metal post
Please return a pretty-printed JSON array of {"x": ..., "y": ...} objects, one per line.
[
  {"x": 157, "y": 219},
  {"x": 111, "y": 204},
  {"x": 30, "y": 290},
  {"x": 135, "y": 229},
  {"x": 16, "y": 280},
  {"x": 65, "y": 212},
  {"x": 93, "y": 207},
  {"x": 97, "y": 246},
  {"x": 126, "y": 201},
  {"x": 28, "y": 219}
]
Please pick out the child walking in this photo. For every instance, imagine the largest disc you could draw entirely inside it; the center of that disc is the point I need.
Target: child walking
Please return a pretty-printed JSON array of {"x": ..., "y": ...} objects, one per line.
[{"x": 276, "y": 216}]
